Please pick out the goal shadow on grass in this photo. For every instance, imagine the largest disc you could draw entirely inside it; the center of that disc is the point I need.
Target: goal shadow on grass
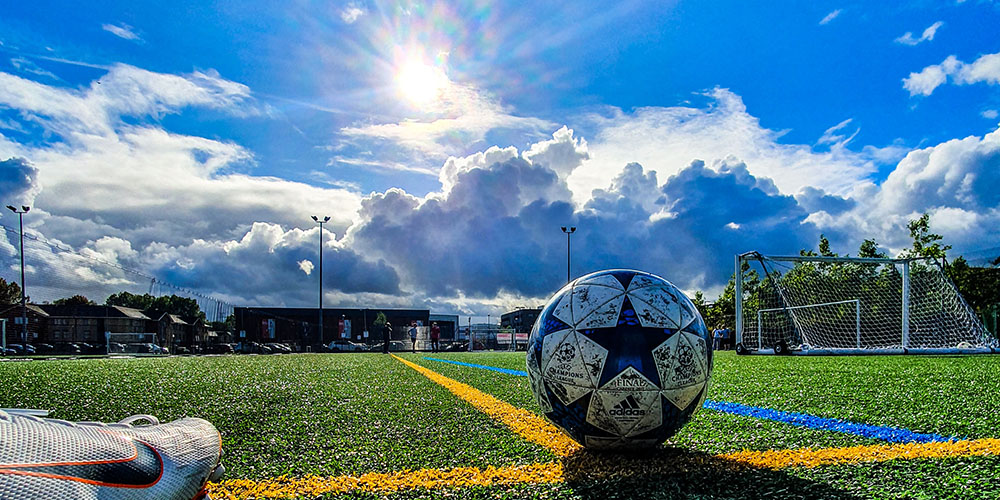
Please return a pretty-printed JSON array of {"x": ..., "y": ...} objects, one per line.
[{"x": 679, "y": 473}]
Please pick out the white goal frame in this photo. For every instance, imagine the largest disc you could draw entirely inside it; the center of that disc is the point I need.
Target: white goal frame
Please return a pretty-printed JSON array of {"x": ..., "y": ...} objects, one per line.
[{"x": 984, "y": 346}]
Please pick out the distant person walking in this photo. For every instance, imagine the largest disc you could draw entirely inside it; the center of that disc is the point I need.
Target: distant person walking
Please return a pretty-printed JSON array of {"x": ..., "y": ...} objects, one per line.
[
  {"x": 435, "y": 337},
  {"x": 727, "y": 338},
  {"x": 413, "y": 338},
  {"x": 717, "y": 336},
  {"x": 386, "y": 337}
]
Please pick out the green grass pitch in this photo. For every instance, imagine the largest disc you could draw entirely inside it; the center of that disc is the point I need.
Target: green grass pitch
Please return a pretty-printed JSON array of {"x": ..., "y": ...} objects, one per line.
[{"x": 350, "y": 414}]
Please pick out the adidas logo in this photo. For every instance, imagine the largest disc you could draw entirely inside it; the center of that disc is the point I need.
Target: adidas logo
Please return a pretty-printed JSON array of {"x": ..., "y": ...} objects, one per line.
[{"x": 627, "y": 407}]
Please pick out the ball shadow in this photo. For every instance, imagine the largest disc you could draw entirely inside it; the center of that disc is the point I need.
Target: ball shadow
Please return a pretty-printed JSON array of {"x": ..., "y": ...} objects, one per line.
[{"x": 667, "y": 473}]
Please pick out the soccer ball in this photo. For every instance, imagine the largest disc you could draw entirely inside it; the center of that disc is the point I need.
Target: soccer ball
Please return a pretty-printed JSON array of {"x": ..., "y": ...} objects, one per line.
[{"x": 619, "y": 359}]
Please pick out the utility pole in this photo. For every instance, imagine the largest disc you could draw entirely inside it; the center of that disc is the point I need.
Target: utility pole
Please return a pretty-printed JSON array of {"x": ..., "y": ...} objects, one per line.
[
  {"x": 24, "y": 300},
  {"x": 321, "y": 222},
  {"x": 568, "y": 230}
]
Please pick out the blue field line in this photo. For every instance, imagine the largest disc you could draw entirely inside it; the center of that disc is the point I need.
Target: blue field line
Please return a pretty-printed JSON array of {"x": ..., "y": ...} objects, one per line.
[
  {"x": 519, "y": 373},
  {"x": 890, "y": 434}
]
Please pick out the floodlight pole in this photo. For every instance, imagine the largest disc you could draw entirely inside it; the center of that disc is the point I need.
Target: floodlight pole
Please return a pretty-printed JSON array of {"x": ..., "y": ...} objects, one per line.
[
  {"x": 321, "y": 222},
  {"x": 568, "y": 230},
  {"x": 24, "y": 300}
]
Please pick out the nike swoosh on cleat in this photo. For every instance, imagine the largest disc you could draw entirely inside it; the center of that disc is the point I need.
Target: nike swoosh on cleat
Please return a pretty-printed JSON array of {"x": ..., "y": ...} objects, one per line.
[{"x": 142, "y": 470}]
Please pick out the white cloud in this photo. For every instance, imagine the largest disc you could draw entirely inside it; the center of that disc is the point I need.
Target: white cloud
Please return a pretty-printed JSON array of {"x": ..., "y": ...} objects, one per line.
[
  {"x": 831, "y": 16},
  {"x": 306, "y": 266},
  {"x": 668, "y": 139},
  {"x": 463, "y": 115},
  {"x": 27, "y": 66},
  {"x": 833, "y": 138},
  {"x": 990, "y": 114},
  {"x": 351, "y": 13},
  {"x": 927, "y": 35},
  {"x": 985, "y": 69},
  {"x": 122, "y": 31},
  {"x": 953, "y": 181}
]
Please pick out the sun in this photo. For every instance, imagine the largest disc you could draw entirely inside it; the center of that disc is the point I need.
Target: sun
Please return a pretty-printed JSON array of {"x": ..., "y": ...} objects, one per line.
[{"x": 420, "y": 83}]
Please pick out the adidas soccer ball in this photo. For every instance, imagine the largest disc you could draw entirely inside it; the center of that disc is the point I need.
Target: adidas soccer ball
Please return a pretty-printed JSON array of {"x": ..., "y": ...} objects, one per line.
[{"x": 619, "y": 359}]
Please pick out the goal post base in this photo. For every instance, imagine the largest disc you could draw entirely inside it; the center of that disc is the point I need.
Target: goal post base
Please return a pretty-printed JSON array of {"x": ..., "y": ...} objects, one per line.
[{"x": 880, "y": 352}]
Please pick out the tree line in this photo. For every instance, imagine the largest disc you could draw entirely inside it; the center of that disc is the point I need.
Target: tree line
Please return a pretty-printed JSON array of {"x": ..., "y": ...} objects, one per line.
[{"x": 10, "y": 294}]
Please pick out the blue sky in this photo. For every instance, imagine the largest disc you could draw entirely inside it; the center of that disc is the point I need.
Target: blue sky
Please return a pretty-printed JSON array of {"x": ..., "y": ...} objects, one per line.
[{"x": 449, "y": 141}]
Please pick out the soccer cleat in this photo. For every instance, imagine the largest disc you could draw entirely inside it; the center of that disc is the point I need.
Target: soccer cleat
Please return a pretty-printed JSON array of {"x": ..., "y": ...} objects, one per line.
[{"x": 43, "y": 458}]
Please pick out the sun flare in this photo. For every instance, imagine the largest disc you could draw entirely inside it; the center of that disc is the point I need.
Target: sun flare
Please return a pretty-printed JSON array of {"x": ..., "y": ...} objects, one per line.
[{"x": 420, "y": 83}]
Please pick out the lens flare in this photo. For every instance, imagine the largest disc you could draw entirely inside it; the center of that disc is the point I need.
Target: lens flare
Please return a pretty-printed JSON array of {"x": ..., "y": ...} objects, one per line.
[{"x": 420, "y": 83}]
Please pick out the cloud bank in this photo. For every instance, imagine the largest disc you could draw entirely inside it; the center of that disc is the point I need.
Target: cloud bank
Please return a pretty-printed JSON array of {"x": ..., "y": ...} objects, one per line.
[{"x": 672, "y": 190}]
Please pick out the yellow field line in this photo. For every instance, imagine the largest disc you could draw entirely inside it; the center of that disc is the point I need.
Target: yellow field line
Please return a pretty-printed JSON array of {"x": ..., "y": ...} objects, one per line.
[
  {"x": 575, "y": 462},
  {"x": 311, "y": 486},
  {"x": 779, "y": 459},
  {"x": 527, "y": 424}
]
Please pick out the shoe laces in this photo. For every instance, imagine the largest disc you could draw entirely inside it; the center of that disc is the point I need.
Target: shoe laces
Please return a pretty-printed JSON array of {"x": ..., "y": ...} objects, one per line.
[{"x": 9, "y": 414}]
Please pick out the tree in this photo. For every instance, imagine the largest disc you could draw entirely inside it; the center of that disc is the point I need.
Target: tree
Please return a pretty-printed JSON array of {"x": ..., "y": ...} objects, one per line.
[
  {"x": 869, "y": 250},
  {"x": 925, "y": 243},
  {"x": 10, "y": 293},
  {"x": 76, "y": 300},
  {"x": 171, "y": 304}
]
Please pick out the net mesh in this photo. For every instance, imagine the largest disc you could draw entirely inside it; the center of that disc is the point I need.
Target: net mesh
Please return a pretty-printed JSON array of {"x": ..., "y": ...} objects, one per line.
[{"x": 850, "y": 304}]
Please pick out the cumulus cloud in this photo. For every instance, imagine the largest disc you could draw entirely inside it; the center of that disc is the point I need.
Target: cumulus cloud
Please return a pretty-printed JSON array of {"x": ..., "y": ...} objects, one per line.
[
  {"x": 953, "y": 181},
  {"x": 830, "y": 17},
  {"x": 927, "y": 35},
  {"x": 990, "y": 114},
  {"x": 18, "y": 182},
  {"x": 985, "y": 69},
  {"x": 668, "y": 139},
  {"x": 122, "y": 31}
]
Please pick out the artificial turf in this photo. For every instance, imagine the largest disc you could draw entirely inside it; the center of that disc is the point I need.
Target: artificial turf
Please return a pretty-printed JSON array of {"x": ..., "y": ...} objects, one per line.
[{"x": 356, "y": 413}]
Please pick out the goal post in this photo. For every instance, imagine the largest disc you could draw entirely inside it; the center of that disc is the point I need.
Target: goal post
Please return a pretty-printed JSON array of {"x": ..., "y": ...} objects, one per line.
[{"x": 852, "y": 305}]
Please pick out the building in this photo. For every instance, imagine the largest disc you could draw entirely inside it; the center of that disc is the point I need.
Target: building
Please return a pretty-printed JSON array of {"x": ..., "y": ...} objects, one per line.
[
  {"x": 520, "y": 320},
  {"x": 448, "y": 324},
  {"x": 299, "y": 326},
  {"x": 54, "y": 324}
]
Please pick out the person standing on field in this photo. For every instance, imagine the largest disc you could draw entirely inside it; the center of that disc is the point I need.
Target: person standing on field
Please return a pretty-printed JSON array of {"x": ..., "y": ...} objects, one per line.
[
  {"x": 435, "y": 336},
  {"x": 386, "y": 336},
  {"x": 413, "y": 338}
]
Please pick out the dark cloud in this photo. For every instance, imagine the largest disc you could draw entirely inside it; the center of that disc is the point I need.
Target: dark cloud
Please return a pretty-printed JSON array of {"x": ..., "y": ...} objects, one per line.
[
  {"x": 264, "y": 266},
  {"x": 498, "y": 228}
]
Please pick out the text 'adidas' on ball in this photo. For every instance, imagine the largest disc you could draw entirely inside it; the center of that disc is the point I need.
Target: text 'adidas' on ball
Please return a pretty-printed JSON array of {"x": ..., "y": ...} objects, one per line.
[{"x": 619, "y": 359}]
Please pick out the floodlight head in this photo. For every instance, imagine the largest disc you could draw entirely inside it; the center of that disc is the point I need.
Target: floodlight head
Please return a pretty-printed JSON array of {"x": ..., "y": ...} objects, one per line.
[
  {"x": 326, "y": 219},
  {"x": 12, "y": 209},
  {"x": 563, "y": 229},
  {"x": 25, "y": 208},
  {"x": 315, "y": 218}
]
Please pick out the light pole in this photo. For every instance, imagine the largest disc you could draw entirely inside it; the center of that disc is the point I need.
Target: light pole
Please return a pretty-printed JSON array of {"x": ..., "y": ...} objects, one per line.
[
  {"x": 568, "y": 230},
  {"x": 24, "y": 301},
  {"x": 321, "y": 222}
]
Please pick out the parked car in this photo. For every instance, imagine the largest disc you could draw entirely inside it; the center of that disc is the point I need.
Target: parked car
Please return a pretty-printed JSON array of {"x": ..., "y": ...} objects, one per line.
[
  {"x": 345, "y": 346},
  {"x": 8, "y": 352},
  {"x": 277, "y": 348},
  {"x": 219, "y": 349},
  {"x": 22, "y": 349},
  {"x": 45, "y": 348},
  {"x": 115, "y": 347}
]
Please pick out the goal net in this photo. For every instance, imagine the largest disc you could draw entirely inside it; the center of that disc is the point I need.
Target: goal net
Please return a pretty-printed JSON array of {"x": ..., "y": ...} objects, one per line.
[{"x": 831, "y": 305}]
